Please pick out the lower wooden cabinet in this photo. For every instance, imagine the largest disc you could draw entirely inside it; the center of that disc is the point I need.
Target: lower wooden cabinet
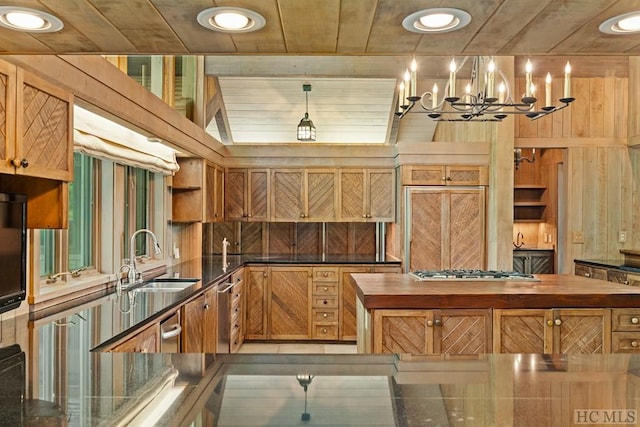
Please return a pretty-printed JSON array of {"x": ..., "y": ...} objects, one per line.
[
  {"x": 199, "y": 324},
  {"x": 590, "y": 271},
  {"x": 625, "y": 326},
  {"x": 533, "y": 261},
  {"x": 290, "y": 303},
  {"x": 552, "y": 331},
  {"x": 256, "y": 292},
  {"x": 145, "y": 341},
  {"x": 421, "y": 332}
]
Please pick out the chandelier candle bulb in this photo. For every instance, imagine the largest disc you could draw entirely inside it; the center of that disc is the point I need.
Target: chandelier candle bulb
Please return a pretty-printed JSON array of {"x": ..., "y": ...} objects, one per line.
[
  {"x": 491, "y": 79},
  {"x": 407, "y": 85},
  {"x": 400, "y": 96},
  {"x": 452, "y": 79},
  {"x": 527, "y": 78},
  {"x": 434, "y": 96},
  {"x": 413, "y": 78},
  {"x": 547, "y": 90},
  {"x": 567, "y": 80}
]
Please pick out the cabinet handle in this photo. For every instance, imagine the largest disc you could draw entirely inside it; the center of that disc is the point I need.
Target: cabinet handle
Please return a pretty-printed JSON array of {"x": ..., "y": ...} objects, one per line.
[
  {"x": 429, "y": 322},
  {"x": 634, "y": 344},
  {"x": 24, "y": 163},
  {"x": 626, "y": 282},
  {"x": 437, "y": 322},
  {"x": 587, "y": 274},
  {"x": 635, "y": 320},
  {"x": 174, "y": 332}
]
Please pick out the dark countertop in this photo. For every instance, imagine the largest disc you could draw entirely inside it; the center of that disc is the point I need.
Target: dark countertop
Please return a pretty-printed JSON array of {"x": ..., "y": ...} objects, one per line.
[
  {"x": 115, "y": 389},
  {"x": 618, "y": 263},
  {"x": 381, "y": 291}
]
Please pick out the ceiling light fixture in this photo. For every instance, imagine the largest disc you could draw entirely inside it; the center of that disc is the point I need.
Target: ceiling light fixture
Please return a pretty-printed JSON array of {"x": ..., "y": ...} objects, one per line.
[
  {"x": 231, "y": 19},
  {"x": 437, "y": 20},
  {"x": 306, "y": 129},
  {"x": 29, "y": 20},
  {"x": 627, "y": 23},
  {"x": 487, "y": 95}
]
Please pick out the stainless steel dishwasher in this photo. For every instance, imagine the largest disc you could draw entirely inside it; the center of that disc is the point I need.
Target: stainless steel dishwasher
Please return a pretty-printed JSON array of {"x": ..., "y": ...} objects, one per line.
[
  {"x": 170, "y": 331},
  {"x": 225, "y": 290}
]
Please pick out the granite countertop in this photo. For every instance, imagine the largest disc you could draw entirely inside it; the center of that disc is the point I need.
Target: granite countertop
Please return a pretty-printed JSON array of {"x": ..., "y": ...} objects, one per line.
[{"x": 618, "y": 263}]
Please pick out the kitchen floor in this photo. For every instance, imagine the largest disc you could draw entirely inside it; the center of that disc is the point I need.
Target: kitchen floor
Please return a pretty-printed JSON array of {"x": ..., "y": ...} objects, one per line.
[{"x": 297, "y": 348}]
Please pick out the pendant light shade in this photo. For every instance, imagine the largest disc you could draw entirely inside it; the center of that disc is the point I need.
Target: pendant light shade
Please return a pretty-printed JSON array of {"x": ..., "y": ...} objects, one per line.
[{"x": 306, "y": 129}]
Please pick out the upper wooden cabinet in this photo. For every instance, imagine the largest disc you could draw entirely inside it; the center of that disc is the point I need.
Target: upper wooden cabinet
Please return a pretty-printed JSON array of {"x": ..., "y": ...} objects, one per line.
[
  {"x": 367, "y": 195},
  {"x": 247, "y": 195},
  {"x": 304, "y": 195},
  {"x": 444, "y": 175},
  {"x": 197, "y": 191}
]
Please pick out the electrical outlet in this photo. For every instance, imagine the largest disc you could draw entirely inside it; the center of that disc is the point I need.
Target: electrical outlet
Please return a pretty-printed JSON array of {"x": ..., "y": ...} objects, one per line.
[
  {"x": 622, "y": 236},
  {"x": 578, "y": 237},
  {"x": 176, "y": 252}
]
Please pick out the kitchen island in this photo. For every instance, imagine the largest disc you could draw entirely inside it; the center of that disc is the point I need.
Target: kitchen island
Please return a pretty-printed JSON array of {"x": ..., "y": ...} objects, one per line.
[{"x": 552, "y": 314}]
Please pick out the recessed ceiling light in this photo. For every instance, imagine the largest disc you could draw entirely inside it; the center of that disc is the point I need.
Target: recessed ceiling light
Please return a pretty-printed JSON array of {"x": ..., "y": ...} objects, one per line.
[
  {"x": 231, "y": 19},
  {"x": 437, "y": 20},
  {"x": 29, "y": 20},
  {"x": 627, "y": 23}
]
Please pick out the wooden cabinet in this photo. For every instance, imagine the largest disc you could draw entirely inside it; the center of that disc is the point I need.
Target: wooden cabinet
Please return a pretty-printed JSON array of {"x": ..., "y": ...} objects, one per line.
[
  {"x": 347, "y": 291},
  {"x": 463, "y": 331},
  {"x": 197, "y": 191},
  {"x": 199, "y": 324},
  {"x": 585, "y": 270},
  {"x": 320, "y": 195},
  {"x": 367, "y": 195},
  {"x": 444, "y": 175},
  {"x": 324, "y": 305},
  {"x": 247, "y": 195},
  {"x": 36, "y": 144},
  {"x": 552, "y": 331},
  {"x": 446, "y": 228},
  {"x": 145, "y": 341},
  {"x": 236, "y": 314},
  {"x": 287, "y": 190},
  {"x": 256, "y": 291},
  {"x": 529, "y": 203},
  {"x": 625, "y": 335},
  {"x": 290, "y": 302},
  {"x": 533, "y": 261}
]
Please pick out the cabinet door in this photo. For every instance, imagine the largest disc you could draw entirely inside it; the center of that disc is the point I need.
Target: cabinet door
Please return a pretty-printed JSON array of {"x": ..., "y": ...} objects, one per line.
[
  {"x": 218, "y": 210},
  {"x": 519, "y": 263},
  {"x": 44, "y": 128},
  {"x": 258, "y": 195},
  {"x": 352, "y": 195},
  {"x": 426, "y": 230},
  {"x": 210, "y": 321},
  {"x": 290, "y": 303},
  {"x": 522, "y": 331},
  {"x": 7, "y": 108},
  {"x": 209, "y": 194},
  {"x": 256, "y": 297},
  {"x": 402, "y": 331},
  {"x": 541, "y": 263},
  {"x": 321, "y": 193},
  {"x": 582, "y": 331},
  {"x": 145, "y": 341},
  {"x": 381, "y": 195},
  {"x": 193, "y": 326},
  {"x": 465, "y": 232},
  {"x": 461, "y": 331},
  {"x": 235, "y": 187},
  {"x": 287, "y": 200},
  {"x": 466, "y": 175}
]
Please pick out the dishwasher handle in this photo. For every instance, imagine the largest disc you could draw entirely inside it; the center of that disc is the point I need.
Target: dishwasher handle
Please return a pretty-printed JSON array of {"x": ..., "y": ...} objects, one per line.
[
  {"x": 229, "y": 286},
  {"x": 173, "y": 332}
]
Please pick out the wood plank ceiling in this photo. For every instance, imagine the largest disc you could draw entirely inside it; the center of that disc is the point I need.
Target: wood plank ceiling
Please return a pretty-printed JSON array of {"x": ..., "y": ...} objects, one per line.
[{"x": 331, "y": 39}]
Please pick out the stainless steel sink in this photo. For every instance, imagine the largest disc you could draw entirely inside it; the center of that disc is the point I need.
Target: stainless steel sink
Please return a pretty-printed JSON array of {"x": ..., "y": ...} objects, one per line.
[{"x": 166, "y": 285}]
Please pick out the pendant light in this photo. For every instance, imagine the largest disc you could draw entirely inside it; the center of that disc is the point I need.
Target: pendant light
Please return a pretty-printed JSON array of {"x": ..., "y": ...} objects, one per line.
[{"x": 306, "y": 129}]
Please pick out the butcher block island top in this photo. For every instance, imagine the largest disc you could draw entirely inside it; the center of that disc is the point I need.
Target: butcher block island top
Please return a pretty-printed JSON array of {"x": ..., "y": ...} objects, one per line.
[{"x": 401, "y": 291}]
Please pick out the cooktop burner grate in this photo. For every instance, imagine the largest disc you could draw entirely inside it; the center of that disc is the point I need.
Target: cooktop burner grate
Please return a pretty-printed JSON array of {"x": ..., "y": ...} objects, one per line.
[{"x": 424, "y": 275}]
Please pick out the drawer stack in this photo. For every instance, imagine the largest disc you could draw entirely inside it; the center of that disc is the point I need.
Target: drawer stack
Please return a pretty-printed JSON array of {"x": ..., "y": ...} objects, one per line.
[
  {"x": 625, "y": 335},
  {"x": 324, "y": 306},
  {"x": 236, "y": 336}
]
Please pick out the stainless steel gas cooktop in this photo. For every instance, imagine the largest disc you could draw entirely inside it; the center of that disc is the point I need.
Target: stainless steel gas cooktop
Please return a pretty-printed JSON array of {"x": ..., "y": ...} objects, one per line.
[{"x": 424, "y": 275}]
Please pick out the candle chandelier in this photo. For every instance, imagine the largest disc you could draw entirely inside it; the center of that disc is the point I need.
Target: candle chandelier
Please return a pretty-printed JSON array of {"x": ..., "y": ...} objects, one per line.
[{"x": 487, "y": 95}]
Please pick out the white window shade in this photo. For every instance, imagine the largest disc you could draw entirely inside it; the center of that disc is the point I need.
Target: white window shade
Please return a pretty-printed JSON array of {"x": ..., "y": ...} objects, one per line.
[{"x": 99, "y": 137}]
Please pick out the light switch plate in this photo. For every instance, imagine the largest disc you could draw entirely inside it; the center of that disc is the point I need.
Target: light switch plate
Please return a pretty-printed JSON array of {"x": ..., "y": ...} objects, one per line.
[{"x": 622, "y": 236}]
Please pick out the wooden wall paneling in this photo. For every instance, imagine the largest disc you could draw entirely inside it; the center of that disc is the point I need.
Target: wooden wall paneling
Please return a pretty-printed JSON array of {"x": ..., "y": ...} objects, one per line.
[
  {"x": 222, "y": 230},
  {"x": 574, "y": 204},
  {"x": 281, "y": 238},
  {"x": 634, "y": 187},
  {"x": 557, "y": 119},
  {"x": 337, "y": 241},
  {"x": 609, "y": 98},
  {"x": 580, "y": 114},
  {"x": 595, "y": 208},
  {"x": 7, "y": 115},
  {"x": 633, "y": 123},
  {"x": 596, "y": 108},
  {"x": 525, "y": 127},
  {"x": 187, "y": 237},
  {"x": 544, "y": 124},
  {"x": 621, "y": 114},
  {"x": 251, "y": 234},
  {"x": 308, "y": 239},
  {"x": 362, "y": 238}
]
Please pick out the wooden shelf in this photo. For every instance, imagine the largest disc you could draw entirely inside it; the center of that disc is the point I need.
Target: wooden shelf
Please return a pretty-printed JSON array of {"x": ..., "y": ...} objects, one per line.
[
  {"x": 530, "y": 204},
  {"x": 192, "y": 188}
]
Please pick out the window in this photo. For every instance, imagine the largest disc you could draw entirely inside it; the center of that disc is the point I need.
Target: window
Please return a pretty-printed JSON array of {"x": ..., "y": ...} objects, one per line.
[{"x": 137, "y": 210}]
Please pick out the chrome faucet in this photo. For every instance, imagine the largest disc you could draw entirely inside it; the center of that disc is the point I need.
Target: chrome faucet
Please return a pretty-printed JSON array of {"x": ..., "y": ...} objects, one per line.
[
  {"x": 519, "y": 240},
  {"x": 133, "y": 276}
]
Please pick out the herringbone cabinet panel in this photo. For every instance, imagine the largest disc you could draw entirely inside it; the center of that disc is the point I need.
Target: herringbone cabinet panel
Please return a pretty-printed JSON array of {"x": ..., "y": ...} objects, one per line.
[
  {"x": 401, "y": 331},
  {"x": 466, "y": 230},
  {"x": 520, "y": 331},
  {"x": 251, "y": 237},
  {"x": 290, "y": 302},
  {"x": 462, "y": 332},
  {"x": 352, "y": 196},
  {"x": 426, "y": 238},
  {"x": 234, "y": 194},
  {"x": 321, "y": 195},
  {"x": 308, "y": 238},
  {"x": 256, "y": 296},
  {"x": 381, "y": 195},
  {"x": 5, "y": 138},
  {"x": 258, "y": 203},
  {"x": 583, "y": 331},
  {"x": 287, "y": 186}
]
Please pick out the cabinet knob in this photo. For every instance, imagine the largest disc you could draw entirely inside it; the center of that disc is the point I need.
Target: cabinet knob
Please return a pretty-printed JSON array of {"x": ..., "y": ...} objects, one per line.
[
  {"x": 364, "y": 215},
  {"x": 249, "y": 215},
  {"x": 549, "y": 322},
  {"x": 587, "y": 274},
  {"x": 264, "y": 274},
  {"x": 437, "y": 322},
  {"x": 325, "y": 289},
  {"x": 634, "y": 344},
  {"x": 429, "y": 322},
  {"x": 626, "y": 282},
  {"x": 302, "y": 215},
  {"x": 443, "y": 178},
  {"x": 206, "y": 306},
  {"x": 448, "y": 178},
  {"x": 325, "y": 275},
  {"x": 325, "y": 315},
  {"x": 24, "y": 163},
  {"x": 325, "y": 302},
  {"x": 635, "y": 320},
  {"x": 557, "y": 322},
  {"x": 324, "y": 330}
]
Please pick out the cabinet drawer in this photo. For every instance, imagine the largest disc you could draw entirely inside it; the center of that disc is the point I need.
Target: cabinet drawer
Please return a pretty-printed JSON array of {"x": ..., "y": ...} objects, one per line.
[
  {"x": 633, "y": 279},
  {"x": 325, "y": 274},
  {"x": 626, "y": 319},
  {"x": 328, "y": 315},
  {"x": 625, "y": 342},
  {"x": 325, "y": 301},
  {"x": 325, "y": 331},
  {"x": 617, "y": 276},
  {"x": 320, "y": 289}
]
